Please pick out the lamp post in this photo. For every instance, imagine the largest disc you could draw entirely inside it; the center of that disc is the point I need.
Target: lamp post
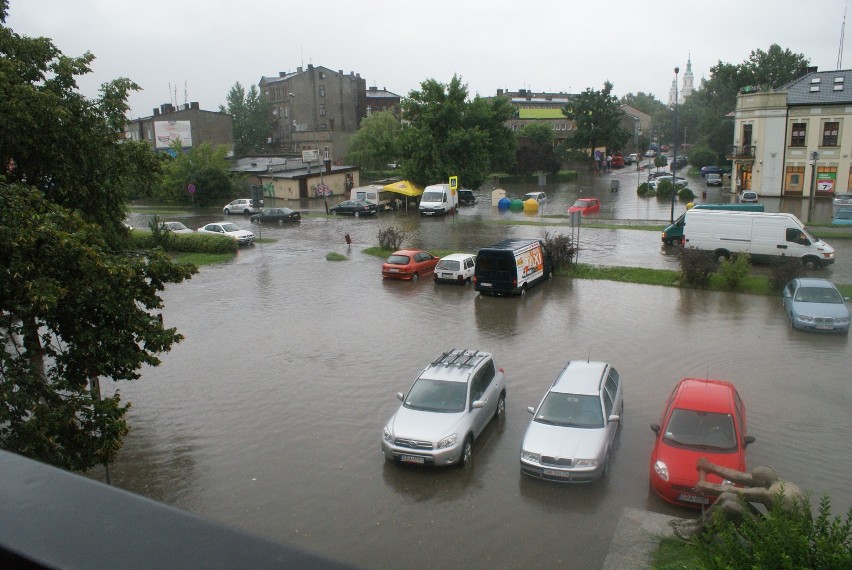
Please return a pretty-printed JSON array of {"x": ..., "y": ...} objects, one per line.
[
  {"x": 674, "y": 157},
  {"x": 814, "y": 158}
]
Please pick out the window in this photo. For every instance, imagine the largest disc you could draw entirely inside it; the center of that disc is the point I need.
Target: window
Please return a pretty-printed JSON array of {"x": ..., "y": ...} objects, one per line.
[
  {"x": 322, "y": 109},
  {"x": 830, "y": 130},
  {"x": 322, "y": 90},
  {"x": 797, "y": 135}
]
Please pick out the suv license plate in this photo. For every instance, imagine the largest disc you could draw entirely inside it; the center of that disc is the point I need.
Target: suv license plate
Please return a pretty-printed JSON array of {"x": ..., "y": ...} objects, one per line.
[
  {"x": 411, "y": 459},
  {"x": 690, "y": 498}
]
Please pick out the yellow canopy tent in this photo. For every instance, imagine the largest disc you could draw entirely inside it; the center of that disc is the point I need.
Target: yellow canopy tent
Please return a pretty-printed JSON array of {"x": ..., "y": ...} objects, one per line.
[{"x": 404, "y": 187}]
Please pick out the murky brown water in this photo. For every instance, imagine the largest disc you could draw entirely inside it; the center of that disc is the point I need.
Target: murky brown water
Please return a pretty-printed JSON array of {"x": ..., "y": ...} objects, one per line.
[{"x": 269, "y": 415}]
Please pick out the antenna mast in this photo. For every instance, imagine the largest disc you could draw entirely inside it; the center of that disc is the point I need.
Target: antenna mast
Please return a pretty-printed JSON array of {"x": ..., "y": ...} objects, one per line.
[{"x": 842, "y": 33}]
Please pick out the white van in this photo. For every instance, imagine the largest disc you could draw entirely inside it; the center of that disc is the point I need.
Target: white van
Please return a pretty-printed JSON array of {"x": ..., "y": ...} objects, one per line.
[
  {"x": 761, "y": 235},
  {"x": 375, "y": 195},
  {"x": 438, "y": 200}
]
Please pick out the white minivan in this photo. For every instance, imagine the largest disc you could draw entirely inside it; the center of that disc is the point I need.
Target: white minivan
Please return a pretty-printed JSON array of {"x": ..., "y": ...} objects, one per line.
[{"x": 438, "y": 200}]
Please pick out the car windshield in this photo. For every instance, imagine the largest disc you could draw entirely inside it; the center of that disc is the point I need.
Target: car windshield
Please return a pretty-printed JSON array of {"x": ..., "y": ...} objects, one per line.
[
  {"x": 231, "y": 227},
  {"x": 437, "y": 396},
  {"x": 432, "y": 197},
  {"x": 175, "y": 226},
  {"x": 701, "y": 429},
  {"x": 843, "y": 215},
  {"x": 818, "y": 295},
  {"x": 398, "y": 259},
  {"x": 571, "y": 410},
  {"x": 582, "y": 203},
  {"x": 448, "y": 264}
]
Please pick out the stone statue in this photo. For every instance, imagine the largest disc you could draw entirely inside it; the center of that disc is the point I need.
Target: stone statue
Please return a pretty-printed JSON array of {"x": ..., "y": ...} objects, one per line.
[{"x": 762, "y": 486}]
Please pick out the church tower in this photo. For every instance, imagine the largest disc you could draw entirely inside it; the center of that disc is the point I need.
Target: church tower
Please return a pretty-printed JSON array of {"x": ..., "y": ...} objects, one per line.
[{"x": 688, "y": 78}]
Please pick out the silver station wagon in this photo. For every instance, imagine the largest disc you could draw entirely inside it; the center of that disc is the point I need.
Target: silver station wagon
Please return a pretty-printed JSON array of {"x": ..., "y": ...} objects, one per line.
[
  {"x": 571, "y": 434},
  {"x": 446, "y": 409}
]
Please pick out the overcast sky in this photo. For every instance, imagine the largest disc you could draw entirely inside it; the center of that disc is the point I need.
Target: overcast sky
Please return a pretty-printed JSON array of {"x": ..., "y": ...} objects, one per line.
[{"x": 202, "y": 47}]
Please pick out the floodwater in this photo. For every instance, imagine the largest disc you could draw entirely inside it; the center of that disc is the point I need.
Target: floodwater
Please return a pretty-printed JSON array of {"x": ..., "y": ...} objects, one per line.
[{"x": 268, "y": 416}]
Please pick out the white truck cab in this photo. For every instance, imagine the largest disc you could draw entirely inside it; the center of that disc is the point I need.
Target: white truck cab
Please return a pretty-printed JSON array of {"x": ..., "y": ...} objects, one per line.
[{"x": 438, "y": 200}]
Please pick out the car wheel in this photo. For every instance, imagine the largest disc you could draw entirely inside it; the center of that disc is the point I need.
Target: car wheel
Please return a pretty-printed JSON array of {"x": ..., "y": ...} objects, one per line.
[
  {"x": 415, "y": 277},
  {"x": 227, "y": 211},
  {"x": 466, "y": 459},
  {"x": 811, "y": 263},
  {"x": 674, "y": 241},
  {"x": 500, "y": 412},
  {"x": 523, "y": 289},
  {"x": 357, "y": 214},
  {"x": 720, "y": 255}
]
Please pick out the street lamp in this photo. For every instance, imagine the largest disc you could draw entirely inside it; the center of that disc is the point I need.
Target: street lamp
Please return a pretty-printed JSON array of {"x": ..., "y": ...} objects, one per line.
[
  {"x": 814, "y": 158},
  {"x": 674, "y": 157}
]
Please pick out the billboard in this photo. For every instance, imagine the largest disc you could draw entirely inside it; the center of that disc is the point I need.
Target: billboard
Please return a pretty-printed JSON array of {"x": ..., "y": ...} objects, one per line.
[{"x": 167, "y": 131}]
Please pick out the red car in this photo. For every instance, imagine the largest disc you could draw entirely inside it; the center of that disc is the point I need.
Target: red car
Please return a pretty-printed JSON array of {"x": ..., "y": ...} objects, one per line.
[
  {"x": 586, "y": 206},
  {"x": 702, "y": 418},
  {"x": 409, "y": 264}
]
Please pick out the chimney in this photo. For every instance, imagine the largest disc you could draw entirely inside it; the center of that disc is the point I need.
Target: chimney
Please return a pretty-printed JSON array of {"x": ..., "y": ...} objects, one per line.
[
  {"x": 499, "y": 92},
  {"x": 310, "y": 66},
  {"x": 299, "y": 70},
  {"x": 194, "y": 105},
  {"x": 156, "y": 112},
  {"x": 282, "y": 73}
]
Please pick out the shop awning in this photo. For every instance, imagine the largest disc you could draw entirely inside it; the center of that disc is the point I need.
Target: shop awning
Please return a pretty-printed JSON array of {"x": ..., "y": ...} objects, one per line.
[{"x": 404, "y": 187}]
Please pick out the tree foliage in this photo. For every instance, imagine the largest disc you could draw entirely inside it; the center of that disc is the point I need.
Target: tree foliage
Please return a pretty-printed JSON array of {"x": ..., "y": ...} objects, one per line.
[
  {"x": 535, "y": 150},
  {"x": 206, "y": 167},
  {"x": 597, "y": 116},
  {"x": 448, "y": 135},
  {"x": 76, "y": 303},
  {"x": 376, "y": 143},
  {"x": 248, "y": 115}
]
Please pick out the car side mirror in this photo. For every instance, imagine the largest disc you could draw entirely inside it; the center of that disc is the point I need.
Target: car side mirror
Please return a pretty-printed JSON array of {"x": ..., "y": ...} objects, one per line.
[
  {"x": 400, "y": 396},
  {"x": 477, "y": 404},
  {"x": 531, "y": 410},
  {"x": 655, "y": 428},
  {"x": 747, "y": 440}
]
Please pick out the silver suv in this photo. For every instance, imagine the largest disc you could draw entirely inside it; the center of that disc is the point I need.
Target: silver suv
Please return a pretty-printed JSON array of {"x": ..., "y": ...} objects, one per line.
[
  {"x": 446, "y": 409},
  {"x": 241, "y": 206},
  {"x": 571, "y": 434}
]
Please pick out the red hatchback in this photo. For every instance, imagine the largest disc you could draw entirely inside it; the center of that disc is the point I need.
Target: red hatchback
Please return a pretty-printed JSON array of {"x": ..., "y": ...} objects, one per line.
[
  {"x": 702, "y": 418},
  {"x": 409, "y": 264},
  {"x": 586, "y": 206}
]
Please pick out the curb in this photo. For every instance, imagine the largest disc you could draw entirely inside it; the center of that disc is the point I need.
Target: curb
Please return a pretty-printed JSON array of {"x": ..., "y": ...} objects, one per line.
[{"x": 636, "y": 539}]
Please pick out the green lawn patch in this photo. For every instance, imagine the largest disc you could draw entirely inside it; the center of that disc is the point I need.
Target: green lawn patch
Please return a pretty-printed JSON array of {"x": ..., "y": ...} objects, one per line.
[{"x": 334, "y": 256}]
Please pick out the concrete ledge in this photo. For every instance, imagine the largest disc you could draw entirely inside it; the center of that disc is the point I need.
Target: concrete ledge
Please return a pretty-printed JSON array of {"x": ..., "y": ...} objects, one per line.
[{"x": 636, "y": 539}]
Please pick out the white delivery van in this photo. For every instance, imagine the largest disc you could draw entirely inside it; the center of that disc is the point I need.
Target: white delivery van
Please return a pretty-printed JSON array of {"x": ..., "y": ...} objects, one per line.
[
  {"x": 762, "y": 235},
  {"x": 438, "y": 200},
  {"x": 375, "y": 195}
]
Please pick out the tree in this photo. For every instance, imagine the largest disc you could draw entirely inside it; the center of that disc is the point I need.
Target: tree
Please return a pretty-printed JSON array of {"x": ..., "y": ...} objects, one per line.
[
  {"x": 535, "y": 150},
  {"x": 248, "y": 114},
  {"x": 448, "y": 135},
  {"x": 76, "y": 304},
  {"x": 376, "y": 142},
  {"x": 597, "y": 117},
  {"x": 645, "y": 102},
  {"x": 205, "y": 167}
]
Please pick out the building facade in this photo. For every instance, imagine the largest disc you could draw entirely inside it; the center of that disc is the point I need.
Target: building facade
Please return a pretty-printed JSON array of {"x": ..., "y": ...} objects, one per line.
[
  {"x": 533, "y": 107},
  {"x": 188, "y": 124},
  {"x": 795, "y": 140},
  {"x": 314, "y": 108},
  {"x": 379, "y": 100}
]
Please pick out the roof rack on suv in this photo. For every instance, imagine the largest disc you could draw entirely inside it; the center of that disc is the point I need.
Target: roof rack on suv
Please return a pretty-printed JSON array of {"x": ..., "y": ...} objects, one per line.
[{"x": 459, "y": 357}]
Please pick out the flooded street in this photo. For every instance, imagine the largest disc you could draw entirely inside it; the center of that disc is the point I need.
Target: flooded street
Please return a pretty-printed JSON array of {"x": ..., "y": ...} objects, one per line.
[{"x": 268, "y": 416}]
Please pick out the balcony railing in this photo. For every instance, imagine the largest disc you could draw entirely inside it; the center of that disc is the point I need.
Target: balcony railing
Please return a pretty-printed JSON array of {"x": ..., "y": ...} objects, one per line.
[{"x": 740, "y": 152}]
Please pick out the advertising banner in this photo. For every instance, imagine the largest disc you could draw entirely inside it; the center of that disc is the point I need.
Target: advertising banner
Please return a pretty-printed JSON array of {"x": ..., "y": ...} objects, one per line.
[{"x": 167, "y": 131}]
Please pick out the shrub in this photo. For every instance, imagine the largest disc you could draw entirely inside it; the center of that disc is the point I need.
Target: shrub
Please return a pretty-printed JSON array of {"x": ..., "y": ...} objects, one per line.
[
  {"x": 685, "y": 195},
  {"x": 734, "y": 271},
  {"x": 664, "y": 189},
  {"x": 561, "y": 249},
  {"x": 187, "y": 243},
  {"x": 696, "y": 267},
  {"x": 391, "y": 238},
  {"x": 781, "y": 539},
  {"x": 702, "y": 156},
  {"x": 783, "y": 270},
  {"x": 160, "y": 237},
  {"x": 645, "y": 190}
]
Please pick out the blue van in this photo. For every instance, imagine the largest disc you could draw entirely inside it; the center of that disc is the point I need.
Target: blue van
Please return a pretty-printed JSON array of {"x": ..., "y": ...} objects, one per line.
[{"x": 511, "y": 266}]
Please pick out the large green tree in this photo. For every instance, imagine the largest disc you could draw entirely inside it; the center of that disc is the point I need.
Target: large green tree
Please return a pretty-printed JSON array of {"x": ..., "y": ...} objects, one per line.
[
  {"x": 249, "y": 119},
  {"x": 597, "y": 116},
  {"x": 76, "y": 303},
  {"x": 205, "y": 167},
  {"x": 449, "y": 135},
  {"x": 375, "y": 144},
  {"x": 535, "y": 150}
]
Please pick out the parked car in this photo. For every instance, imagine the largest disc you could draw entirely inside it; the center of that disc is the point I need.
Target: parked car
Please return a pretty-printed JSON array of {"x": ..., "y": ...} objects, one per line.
[
  {"x": 571, "y": 435},
  {"x": 701, "y": 418},
  {"x": 842, "y": 218},
  {"x": 676, "y": 180},
  {"x": 268, "y": 215},
  {"x": 243, "y": 237},
  {"x": 241, "y": 206},
  {"x": 355, "y": 208},
  {"x": 815, "y": 304},
  {"x": 650, "y": 153},
  {"x": 585, "y": 206},
  {"x": 466, "y": 197},
  {"x": 632, "y": 158},
  {"x": 748, "y": 197},
  {"x": 446, "y": 409},
  {"x": 705, "y": 170},
  {"x": 617, "y": 161},
  {"x": 409, "y": 264},
  {"x": 713, "y": 179},
  {"x": 175, "y": 228},
  {"x": 456, "y": 268},
  {"x": 681, "y": 161},
  {"x": 539, "y": 197},
  {"x": 843, "y": 199}
]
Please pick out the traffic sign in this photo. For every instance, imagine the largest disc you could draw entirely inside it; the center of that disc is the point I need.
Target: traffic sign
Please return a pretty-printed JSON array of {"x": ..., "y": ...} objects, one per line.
[{"x": 191, "y": 188}]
